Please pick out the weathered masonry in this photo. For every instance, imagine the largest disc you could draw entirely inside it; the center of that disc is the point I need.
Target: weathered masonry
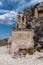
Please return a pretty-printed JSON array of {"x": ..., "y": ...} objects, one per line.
[
  {"x": 22, "y": 39},
  {"x": 29, "y": 24},
  {"x": 39, "y": 10}
]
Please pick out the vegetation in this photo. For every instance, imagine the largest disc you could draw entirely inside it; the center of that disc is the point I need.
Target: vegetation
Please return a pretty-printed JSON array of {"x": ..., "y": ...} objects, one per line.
[
  {"x": 25, "y": 51},
  {"x": 3, "y": 42},
  {"x": 30, "y": 51}
]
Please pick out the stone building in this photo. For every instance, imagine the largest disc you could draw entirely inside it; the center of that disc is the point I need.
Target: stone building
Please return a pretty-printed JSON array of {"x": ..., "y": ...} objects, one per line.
[
  {"x": 22, "y": 35},
  {"x": 39, "y": 10},
  {"x": 38, "y": 23},
  {"x": 29, "y": 24},
  {"x": 23, "y": 19}
]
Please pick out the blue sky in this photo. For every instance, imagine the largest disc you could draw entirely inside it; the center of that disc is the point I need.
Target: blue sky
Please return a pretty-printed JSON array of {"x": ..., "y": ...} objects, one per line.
[{"x": 9, "y": 9}]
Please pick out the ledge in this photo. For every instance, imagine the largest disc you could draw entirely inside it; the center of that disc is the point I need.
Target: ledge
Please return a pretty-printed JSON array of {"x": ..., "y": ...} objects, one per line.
[{"x": 21, "y": 29}]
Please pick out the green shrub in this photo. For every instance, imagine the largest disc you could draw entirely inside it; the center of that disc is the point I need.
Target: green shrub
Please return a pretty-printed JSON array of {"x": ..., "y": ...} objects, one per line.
[{"x": 30, "y": 51}]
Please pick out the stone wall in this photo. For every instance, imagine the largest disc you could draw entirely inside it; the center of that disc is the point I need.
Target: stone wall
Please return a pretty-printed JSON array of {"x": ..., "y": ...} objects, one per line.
[{"x": 22, "y": 39}]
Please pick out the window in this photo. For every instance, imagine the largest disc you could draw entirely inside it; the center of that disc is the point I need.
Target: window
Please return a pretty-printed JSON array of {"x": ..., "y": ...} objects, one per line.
[{"x": 23, "y": 18}]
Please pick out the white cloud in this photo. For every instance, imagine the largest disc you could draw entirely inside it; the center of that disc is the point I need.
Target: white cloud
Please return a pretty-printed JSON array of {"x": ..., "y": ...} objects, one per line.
[
  {"x": 38, "y": 1},
  {"x": 5, "y": 11},
  {"x": 8, "y": 18},
  {"x": 9, "y": 23},
  {"x": 24, "y": 4}
]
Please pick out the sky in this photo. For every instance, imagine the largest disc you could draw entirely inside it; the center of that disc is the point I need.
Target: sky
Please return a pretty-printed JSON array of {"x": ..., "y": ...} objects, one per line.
[{"x": 9, "y": 9}]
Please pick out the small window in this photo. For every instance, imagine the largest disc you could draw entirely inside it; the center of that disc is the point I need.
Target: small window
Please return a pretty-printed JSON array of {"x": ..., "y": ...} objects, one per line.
[{"x": 23, "y": 18}]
